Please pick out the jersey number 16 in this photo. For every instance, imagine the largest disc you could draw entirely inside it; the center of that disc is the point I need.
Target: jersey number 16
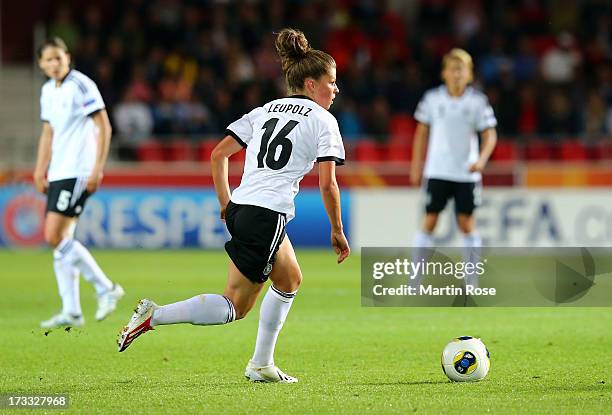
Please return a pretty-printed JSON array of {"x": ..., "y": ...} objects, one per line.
[{"x": 279, "y": 140}]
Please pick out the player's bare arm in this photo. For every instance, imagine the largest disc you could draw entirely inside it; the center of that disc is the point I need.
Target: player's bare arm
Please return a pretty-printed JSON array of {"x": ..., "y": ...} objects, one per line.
[
  {"x": 418, "y": 149},
  {"x": 331, "y": 199},
  {"x": 219, "y": 163},
  {"x": 489, "y": 140},
  {"x": 43, "y": 158},
  {"x": 100, "y": 119}
]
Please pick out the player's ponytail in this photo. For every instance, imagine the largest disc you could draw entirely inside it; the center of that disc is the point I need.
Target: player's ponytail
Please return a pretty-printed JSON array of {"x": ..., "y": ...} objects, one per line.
[
  {"x": 292, "y": 46},
  {"x": 300, "y": 61}
]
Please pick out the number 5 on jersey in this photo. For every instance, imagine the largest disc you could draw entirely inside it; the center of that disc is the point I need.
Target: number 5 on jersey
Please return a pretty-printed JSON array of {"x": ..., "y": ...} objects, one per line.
[
  {"x": 63, "y": 200},
  {"x": 280, "y": 140}
]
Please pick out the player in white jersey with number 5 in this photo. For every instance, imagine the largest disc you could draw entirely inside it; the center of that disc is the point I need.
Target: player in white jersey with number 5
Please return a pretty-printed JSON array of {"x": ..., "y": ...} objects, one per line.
[
  {"x": 451, "y": 116},
  {"x": 283, "y": 139},
  {"x": 71, "y": 155}
]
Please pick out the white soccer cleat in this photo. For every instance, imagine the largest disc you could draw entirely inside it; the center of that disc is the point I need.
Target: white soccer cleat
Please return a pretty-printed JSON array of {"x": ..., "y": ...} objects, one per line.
[
  {"x": 267, "y": 374},
  {"x": 139, "y": 324},
  {"x": 107, "y": 302},
  {"x": 62, "y": 320}
]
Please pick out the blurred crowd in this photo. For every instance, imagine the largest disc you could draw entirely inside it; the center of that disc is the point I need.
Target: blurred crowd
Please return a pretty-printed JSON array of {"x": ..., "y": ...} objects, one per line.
[{"x": 188, "y": 68}]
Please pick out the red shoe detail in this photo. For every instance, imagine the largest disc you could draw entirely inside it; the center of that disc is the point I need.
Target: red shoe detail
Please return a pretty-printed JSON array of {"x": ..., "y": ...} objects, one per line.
[{"x": 141, "y": 329}]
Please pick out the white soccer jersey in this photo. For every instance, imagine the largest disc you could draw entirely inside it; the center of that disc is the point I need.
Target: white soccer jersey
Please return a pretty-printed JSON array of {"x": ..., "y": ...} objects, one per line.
[
  {"x": 67, "y": 108},
  {"x": 453, "y": 123},
  {"x": 283, "y": 139}
]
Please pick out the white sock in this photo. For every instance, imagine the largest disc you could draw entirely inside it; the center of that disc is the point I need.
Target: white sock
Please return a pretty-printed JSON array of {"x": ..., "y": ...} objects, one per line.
[
  {"x": 421, "y": 249},
  {"x": 203, "y": 310},
  {"x": 67, "y": 277},
  {"x": 81, "y": 258},
  {"x": 272, "y": 314},
  {"x": 472, "y": 244}
]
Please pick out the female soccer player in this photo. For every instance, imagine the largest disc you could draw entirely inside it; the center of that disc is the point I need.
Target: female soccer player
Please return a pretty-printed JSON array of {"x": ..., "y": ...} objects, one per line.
[
  {"x": 283, "y": 139},
  {"x": 71, "y": 156},
  {"x": 451, "y": 115}
]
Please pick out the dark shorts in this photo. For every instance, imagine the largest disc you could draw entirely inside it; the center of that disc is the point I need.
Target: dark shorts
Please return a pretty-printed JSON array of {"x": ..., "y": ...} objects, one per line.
[
  {"x": 257, "y": 233},
  {"x": 467, "y": 195},
  {"x": 67, "y": 197}
]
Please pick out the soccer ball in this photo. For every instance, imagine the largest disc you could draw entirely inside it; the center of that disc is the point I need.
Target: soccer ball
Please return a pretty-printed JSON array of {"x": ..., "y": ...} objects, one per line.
[{"x": 465, "y": 359}]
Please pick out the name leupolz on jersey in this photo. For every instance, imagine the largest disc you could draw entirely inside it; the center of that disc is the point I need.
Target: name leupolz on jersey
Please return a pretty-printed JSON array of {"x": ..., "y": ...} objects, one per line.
[
  {"x": 290, "y": 108},
  {"x": 267, "y": 153}
]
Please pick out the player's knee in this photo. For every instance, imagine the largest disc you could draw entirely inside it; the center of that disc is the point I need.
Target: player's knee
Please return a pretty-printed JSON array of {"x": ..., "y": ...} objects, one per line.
[
  {"x": 297, "y": 281},
  {"x": 466, "y": 230},
  {"x": 291, "y": 283},
  {"x": 430, "y": 222},
  {"x": 429, "y": 227},
  {"x": 465, "y": 226},
  {"x": 294, "y": 282},
  {"x": 52, "y": 237}
]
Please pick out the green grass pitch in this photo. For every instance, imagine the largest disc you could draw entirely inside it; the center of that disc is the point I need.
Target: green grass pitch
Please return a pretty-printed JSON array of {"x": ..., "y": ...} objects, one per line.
[{"x": 349, "y": 359}]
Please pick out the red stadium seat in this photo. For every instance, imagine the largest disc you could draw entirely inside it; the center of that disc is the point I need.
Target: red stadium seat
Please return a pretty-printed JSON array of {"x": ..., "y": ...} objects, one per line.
[
  {"x": 402, "y": 128},
  {"x": 398, "y": 151},
  {"x": 505, "y": 150},
  {"x": 367, "y": 150},
  {"x": 573, "y": 150},
  {"x": 205, "y": 149},
  {"x": 538, "y": 150},
  {"x": 541, "y": 44},
  {"x": 602, "y": 151},
  {"x": 179, "y": 150},
  {"x": 150, "y": 150}
]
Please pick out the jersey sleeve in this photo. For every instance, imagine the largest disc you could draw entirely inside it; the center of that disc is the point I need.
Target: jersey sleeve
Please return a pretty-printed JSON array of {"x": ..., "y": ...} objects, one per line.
[
  {"x": 242, "y": 129},
  {"x": 485, "y": 118},
  {"x": 423, "y": 111},
  {"x": 44, "y": 107},
  {"x": 330, "y": 146},
  {"x": 91, "y": 99}
]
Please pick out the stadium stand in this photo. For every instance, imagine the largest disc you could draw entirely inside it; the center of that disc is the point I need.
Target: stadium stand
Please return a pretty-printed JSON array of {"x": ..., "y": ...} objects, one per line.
[{"x": 185, "y": 69}]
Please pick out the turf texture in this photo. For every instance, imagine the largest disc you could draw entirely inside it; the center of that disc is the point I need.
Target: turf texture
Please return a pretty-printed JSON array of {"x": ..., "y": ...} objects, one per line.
[{"x": 349, "y": 359}]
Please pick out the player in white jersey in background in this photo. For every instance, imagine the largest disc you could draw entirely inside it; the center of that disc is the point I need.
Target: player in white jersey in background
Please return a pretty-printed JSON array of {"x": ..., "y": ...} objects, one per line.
[
  {"x": 71, "y": 155},
  {"x": 283, "y": 139},
  {"x": 451, "y": 115}
]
